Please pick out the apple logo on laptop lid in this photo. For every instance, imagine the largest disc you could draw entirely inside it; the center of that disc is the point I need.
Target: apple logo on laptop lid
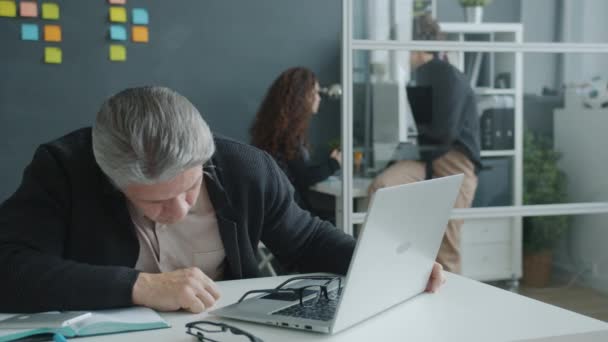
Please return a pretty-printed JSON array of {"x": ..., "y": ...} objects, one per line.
[{"x": 404, "y": 247}]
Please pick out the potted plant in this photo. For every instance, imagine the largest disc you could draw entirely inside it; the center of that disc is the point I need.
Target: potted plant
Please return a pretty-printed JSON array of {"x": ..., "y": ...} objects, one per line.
[
  {"x": 473, "y": 9},
  {"x": 544, "y": 183}
]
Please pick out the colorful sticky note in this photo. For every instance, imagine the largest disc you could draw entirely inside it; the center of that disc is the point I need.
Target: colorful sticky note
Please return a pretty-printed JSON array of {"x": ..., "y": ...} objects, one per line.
[
  {"x": 28, "y": 9},
  {"x": 117, "y": 2},
  {"x": 118, "y": 14},
  {"x": 8, "y": 8},
  {"x": 50, "y": 10},
  {"x": 140, "y": 34},
  {"x": 118, "y": 53},
  {"x": 52, "y": 33},
  {"x": 29, "y": 32},
  {"x": 140, "y": 16},
  {"x": 118, "y": 32},
  {"x": 52, "y": 55}
]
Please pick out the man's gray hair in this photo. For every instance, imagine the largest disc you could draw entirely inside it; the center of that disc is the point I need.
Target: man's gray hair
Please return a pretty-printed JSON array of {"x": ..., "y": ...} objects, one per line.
[{"x": 148, "y": 135}]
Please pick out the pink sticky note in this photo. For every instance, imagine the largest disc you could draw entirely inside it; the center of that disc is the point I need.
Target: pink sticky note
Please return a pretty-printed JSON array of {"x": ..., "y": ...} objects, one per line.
[
  {"x": 117, "y": 2},
  {"x": 28, "y": 9}
]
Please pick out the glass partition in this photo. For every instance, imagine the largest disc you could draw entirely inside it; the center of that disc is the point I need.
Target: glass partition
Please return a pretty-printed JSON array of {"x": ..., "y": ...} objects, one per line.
[
  {"x": 575, "y": 275},
  {"x": 542, "y": 118},
  {"x": 565, "y": 119}
]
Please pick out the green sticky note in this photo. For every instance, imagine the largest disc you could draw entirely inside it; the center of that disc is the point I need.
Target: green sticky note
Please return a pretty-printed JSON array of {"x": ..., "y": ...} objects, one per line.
[
  {"x": 50, "y": 10},
  {"x": 52, "y": 55},
  {"x": 118, "y": 14},
  {"x": 8, "y": 9},
  {"x": 118, "y": 53}
]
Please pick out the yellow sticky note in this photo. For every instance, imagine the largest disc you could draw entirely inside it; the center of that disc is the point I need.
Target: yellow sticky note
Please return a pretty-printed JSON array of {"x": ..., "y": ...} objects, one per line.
[
  {"x": 50, "y": 10},
  {"x": 52, "y": 33},
  {"x": 52, "y": 55},
  {"x": 140, "y": 34},
  {"x": 118, "y": 53},
  {"x": 118, "y": 14},
  {"x": 8, "y": 8}
]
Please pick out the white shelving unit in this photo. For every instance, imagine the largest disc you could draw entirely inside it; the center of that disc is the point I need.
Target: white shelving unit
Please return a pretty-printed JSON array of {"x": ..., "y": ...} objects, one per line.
[{"x": 492, "y": 247}]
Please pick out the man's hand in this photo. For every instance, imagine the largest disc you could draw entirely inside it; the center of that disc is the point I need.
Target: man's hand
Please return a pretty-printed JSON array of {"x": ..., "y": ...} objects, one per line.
[
  {"x": 189, "y": 289},
  {"x": 437, "y": 278}
]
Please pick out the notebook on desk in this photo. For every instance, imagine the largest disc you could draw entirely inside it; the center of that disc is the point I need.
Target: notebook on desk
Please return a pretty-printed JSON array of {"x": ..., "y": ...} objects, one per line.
[{"x": 72, "y": 324}]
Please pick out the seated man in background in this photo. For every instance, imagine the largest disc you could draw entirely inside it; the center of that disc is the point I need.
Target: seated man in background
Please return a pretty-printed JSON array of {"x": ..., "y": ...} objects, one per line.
[
  {"x": 149, "y": 208},
  {"x": 449, "y": 144}
]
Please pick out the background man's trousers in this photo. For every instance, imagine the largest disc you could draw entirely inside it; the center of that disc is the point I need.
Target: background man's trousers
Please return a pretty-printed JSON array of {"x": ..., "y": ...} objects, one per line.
[{"x": 453, "y": 162}]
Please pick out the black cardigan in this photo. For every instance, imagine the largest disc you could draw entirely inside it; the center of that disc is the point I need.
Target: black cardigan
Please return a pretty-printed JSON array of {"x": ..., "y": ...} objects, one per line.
[
  {"x": 303, "y": 173},
  {"x": 67, "y": 241}
]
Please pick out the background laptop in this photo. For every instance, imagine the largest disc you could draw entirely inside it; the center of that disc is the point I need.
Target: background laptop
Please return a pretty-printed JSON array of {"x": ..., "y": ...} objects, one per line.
[
  {"x": 392, "y": 262},
  {"x": 421, "y": 104}
]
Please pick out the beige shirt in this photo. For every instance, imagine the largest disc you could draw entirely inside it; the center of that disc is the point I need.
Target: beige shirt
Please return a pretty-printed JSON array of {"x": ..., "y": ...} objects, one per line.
[{"x": 195, "y": 241}]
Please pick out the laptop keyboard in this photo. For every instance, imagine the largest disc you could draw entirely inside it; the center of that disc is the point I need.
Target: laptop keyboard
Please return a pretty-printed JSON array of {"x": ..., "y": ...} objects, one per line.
[{"x": 322, "y": 310}]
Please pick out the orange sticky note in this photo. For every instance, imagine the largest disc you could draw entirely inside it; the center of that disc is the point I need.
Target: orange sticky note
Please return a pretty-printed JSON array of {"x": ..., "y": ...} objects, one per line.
[
  {"x": 28, "y": 9},
  {"x": 118, "y": 53},
  {"x": 140, "y": 34},
  {"x": 117, "y": 2},
  {"x": 8, "y": 8},
  {"x": 52, "y": 55},
  {"x": 118, "y": 14},
  {"x": 52, "y": 33},
  {"x": 50, "y": 10}
]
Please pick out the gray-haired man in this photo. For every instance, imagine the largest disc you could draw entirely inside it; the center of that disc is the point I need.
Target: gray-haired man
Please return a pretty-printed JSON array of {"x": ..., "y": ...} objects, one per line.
[{"x": 149, "y": 208}]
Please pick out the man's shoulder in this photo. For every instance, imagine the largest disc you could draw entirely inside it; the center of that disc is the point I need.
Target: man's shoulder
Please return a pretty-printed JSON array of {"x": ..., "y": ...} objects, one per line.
[
  {"x": 73, "y": 143},
  {"x": 237, "y": 158},
  {"x": 230, "y": 148}
]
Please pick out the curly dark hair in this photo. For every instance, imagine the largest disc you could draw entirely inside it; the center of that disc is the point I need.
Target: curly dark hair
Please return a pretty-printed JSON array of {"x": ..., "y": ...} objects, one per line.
[{"x": 282, "y": 121}]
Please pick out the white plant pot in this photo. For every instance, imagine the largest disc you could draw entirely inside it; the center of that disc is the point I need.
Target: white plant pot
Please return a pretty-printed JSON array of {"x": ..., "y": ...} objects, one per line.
[{"x": 473, "y": 14}]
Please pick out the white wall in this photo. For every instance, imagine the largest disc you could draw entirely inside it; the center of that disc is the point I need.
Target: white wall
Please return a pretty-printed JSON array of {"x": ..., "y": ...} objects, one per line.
[
  {"x": 577, "y": 133},
  {"x": 585, "y": 22},
  {"x": 498, "y": 11},
  {"x": 540, "y": 20},
  {"x": 585, "y": 248}
]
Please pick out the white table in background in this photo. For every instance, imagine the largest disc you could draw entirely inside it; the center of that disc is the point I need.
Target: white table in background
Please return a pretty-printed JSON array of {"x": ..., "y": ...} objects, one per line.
[
  {"x": 464, "y": 310},
  {"x": 333, "y": 186}
]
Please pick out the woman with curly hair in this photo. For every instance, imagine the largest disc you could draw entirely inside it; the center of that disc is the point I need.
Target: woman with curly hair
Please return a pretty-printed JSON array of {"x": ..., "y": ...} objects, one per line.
[{"x": 281, "y": 129}]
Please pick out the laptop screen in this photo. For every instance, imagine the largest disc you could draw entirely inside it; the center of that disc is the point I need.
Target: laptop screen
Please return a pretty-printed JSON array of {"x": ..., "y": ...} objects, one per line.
[{"x": 421, "y": 103}]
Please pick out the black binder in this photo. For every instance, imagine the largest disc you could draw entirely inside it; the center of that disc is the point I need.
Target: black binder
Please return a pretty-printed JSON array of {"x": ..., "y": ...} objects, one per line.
[{"x": 497, "y": 129}]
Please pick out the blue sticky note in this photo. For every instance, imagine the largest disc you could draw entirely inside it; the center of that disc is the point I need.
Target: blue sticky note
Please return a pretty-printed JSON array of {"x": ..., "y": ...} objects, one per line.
[
  {"x": 29, "y": 32},
  {"x": 118, "y": 32},
  {"x": 140, "y": 16}
]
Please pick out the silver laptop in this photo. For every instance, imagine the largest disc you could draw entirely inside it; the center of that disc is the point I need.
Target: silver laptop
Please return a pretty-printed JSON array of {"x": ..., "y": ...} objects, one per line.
[{"x": 392, "y": 263}]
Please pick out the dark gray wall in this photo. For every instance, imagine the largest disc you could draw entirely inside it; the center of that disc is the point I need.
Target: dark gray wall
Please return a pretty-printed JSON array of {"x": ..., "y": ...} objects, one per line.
[{"x": 222, "y": 55}]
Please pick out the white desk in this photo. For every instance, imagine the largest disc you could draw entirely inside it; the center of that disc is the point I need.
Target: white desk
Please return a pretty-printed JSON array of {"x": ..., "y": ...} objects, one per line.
[{"x": 464, "y": 310}]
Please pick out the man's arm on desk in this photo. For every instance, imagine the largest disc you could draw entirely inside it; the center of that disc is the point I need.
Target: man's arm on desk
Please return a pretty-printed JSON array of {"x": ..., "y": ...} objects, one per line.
[{"x": 34, "y": 223}]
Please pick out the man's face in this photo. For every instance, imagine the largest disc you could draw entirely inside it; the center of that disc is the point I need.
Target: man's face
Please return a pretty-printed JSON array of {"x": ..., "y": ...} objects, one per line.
[{"x": 170, "y": 201}]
